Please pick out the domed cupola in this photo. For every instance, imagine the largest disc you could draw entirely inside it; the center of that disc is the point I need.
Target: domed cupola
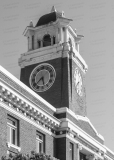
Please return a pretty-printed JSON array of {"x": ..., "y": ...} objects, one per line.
[
  {"x": 50, "y": 17},
  {"x": 51, "y": 29}
]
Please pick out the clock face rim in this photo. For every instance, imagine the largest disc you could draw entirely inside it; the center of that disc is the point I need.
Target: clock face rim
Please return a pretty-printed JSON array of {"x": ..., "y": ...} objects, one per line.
[
  {"x": 50, "y": 70},
  {"x": 78, "y": 89}
]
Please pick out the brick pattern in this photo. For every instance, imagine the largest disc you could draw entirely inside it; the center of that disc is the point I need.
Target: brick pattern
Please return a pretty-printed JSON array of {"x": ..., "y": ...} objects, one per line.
[
  {"x": 63, "y": 92},
  {"x": 27, "y": 135},
  {"x": 61, "y": 148},
  {"x": 57, "y": 94},
  {"x": 78, "y": 103},
  {"x": 3, "y": 131}
]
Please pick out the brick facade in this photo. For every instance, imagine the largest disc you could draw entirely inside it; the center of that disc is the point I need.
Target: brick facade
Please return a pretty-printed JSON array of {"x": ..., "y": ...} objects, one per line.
[{"x": 53, "y": 121}]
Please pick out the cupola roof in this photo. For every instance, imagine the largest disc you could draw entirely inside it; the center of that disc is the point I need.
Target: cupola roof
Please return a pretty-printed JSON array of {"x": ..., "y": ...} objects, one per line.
[{"x": 50, "y": 17}]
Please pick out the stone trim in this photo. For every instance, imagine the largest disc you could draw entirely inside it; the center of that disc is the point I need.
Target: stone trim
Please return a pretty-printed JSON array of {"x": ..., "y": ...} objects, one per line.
[
  {"x": 27, "y": 108},
  {"x": 81, "y": 133},
  {"x": 82, "y": 146},
  {"x": 28, "y": 118},
  {"x": 13, "y": 146},
  {"x": 22, "y": 89},
  {"x": 78, "y": 117}
]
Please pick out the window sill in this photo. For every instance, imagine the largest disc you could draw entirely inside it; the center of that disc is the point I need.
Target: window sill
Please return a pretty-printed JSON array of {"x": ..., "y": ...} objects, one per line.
[{"x": 13, "y": 146}]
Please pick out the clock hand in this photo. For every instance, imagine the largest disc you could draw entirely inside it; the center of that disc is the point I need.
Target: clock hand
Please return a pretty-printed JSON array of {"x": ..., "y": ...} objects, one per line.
[
  {"x": 43, "y": 79},
  {"x": 39, "y": 80}
]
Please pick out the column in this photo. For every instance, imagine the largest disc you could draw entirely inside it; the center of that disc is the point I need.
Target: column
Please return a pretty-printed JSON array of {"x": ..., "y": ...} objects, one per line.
[
  {"x": 35, "y": 42},
  {"x": 66, "y": 34},
  {"x": 57, "y": 37},
  {"x": 51, "y": 40},
  {"x": 30, "y": 43},
  {"x": 79, "y": 148},
  {"x": 60, "y": 34}
]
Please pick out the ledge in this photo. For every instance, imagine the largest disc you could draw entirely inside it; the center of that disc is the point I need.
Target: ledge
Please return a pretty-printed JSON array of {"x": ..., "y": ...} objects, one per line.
[{"x": 13, "y": 146}]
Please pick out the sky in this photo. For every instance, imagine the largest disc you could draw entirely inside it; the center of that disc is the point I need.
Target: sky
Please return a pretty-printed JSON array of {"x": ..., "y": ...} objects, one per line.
[{"x": 92, "y": 18}]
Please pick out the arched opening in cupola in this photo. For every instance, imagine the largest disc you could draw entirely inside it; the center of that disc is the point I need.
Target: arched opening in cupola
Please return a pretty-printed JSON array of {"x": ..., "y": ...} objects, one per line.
[{"x": 46, "y": 40}]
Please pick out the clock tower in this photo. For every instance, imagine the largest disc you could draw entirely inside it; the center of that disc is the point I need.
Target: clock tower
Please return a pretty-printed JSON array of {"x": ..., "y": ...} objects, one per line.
[{"x": 52, "y": 67}]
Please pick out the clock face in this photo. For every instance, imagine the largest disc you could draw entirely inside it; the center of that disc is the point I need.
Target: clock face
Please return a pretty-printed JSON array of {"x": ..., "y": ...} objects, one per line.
[
  {"x": 42, "y": 77},
  {"x": 78, "y": 82}
]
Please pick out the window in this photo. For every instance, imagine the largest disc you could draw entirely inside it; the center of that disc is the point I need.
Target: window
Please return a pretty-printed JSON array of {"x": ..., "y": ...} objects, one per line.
[
  {"x": 12, "y": 131},
  {"x": 40, "y": 143},
  {"x": 47, "y": 40},
  {"x": 71, "y": 151}
]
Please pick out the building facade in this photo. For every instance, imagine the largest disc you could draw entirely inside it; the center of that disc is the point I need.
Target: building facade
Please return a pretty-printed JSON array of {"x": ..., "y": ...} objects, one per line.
[{"x": 46, "y": 109}]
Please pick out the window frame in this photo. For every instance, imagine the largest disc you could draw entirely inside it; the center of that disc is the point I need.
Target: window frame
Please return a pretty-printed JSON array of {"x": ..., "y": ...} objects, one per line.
[
  {"x": 11, "y": 128},
  {"x": 71, "y": 151},
  {"x": 41, "y": 142}
]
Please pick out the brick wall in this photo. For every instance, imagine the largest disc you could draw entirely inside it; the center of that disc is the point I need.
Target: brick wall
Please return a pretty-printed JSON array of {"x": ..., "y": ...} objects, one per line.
[
  {"x": 3, "y": 131},
  {"x": 57, "y": 94},
  {"x": 27, "y": 135},
  {"x": 61, "y": 148}
]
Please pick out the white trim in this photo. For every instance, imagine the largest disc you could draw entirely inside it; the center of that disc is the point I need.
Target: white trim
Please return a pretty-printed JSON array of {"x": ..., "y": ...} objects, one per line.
[
  {"x": 12, "y": 126},
  {"x": 13, "y": 78},
  {"x": 107, "y": 157},
  {"x": 109, "y": 150},
  {"x": 25, "y": 118},
  {"x": 13, "y": 146},
  {"x": 39, "y": 59},
  {"x": 80, "y": 58},
  {"x": 41, "y": 110},
  {"x": 78, "y": 117},
  {"x": 83, "y": 134},
  {"x": 77, "y": 142}
]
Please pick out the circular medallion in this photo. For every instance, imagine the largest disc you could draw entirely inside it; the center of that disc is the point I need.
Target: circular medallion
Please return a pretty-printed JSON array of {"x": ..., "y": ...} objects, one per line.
[
  {"x": 42, "y": 77},
  {"x": 78, "y": 82}
]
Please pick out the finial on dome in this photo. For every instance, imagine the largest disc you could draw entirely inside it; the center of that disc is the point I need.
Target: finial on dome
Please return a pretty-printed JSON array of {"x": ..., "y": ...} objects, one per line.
[
  {"x": 63, "y": 14},
  {"x": 31, "y": 24},
  {"x": 75, "y": 30},
  {"x": 53, "y": 9}
]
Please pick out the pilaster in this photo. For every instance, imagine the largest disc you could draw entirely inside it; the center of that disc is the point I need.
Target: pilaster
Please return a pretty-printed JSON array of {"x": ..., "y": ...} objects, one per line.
[{"x": 78, "y": 149}]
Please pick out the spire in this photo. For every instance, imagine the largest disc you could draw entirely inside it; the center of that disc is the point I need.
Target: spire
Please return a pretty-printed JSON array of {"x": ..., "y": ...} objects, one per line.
[{"x": 53, "y": 9}]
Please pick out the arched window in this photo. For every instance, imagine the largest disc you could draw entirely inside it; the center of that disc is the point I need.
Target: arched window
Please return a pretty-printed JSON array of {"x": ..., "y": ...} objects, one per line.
[{"x": 46, "y": 40}]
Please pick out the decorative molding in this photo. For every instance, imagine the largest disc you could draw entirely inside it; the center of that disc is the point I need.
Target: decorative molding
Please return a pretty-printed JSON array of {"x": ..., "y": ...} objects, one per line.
[
  {"x": 68, "y": 124},
  {"x": 77, "y": 142},
  {"x": 13, "y": 146},
  {"x": 36, "y": 123},
  {"x": 79, "y": 146},
  {"x": 92, "y": 157},
  {"x": 14, "y": 99},
  {"x": 21, "y": 88},
  {"x": 78, "y": 117}
]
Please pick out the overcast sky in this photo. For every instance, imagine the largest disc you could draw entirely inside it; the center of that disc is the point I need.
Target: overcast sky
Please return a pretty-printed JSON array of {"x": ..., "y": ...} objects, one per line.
[{"x": 92, "y": 18}]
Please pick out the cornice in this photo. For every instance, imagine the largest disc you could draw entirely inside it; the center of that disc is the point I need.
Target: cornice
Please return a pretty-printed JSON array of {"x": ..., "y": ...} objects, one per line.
[
  {"x": 18, "y": 87},
  {"x": 78, "y": 117},
  {"x": 7, "y": 106},
  {"x": 66, "y": 123},
  {"x": 27, "y": 108},
  {"x": 81, "y": 145},
  {"x": 51, "y": 52}
]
